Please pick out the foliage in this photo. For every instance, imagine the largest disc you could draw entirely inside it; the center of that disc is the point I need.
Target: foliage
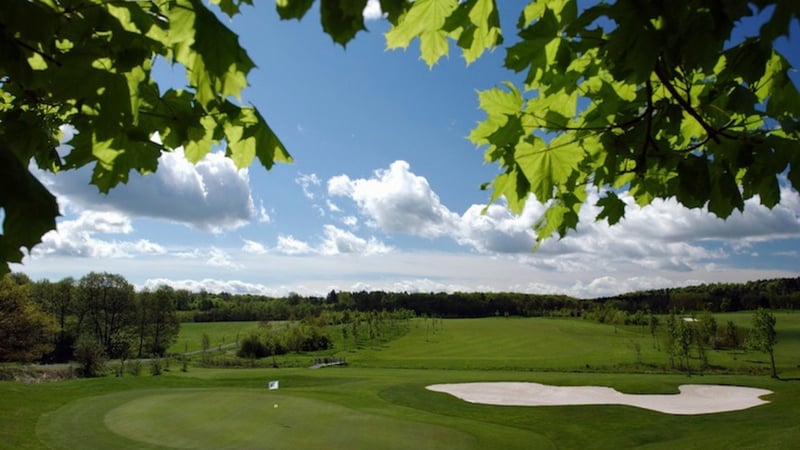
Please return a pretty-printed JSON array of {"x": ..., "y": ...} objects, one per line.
[
  {"x": 763, "y": 337},
  {"x": 300, "y": 337},
  {"x": 156, "y": 366},
  {"x": 647, "y": 98},
  {"x": 106, "y": 302},
  {"x": 91, "y": 356},
  {"x": 621, "y": 96},
  {"x": 26, "y": 332},
  {"x": 86, "y": 66},
  {"x": 156, "y": 321}
]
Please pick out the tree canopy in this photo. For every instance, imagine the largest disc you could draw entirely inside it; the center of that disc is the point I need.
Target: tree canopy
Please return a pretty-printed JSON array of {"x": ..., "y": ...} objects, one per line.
[{"x": 659, "y": 99}]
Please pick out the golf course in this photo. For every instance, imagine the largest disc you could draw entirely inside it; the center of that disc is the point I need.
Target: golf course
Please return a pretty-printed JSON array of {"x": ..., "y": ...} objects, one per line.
[{"x": 380, "y": 399}]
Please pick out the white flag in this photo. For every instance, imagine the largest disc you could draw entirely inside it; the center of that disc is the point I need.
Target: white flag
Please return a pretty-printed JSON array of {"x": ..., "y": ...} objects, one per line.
[{"x": 273, "y": 385}]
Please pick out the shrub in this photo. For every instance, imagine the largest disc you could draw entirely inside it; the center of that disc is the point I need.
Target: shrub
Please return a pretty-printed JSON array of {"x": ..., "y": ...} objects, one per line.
[{"x": 91, "y": 357}]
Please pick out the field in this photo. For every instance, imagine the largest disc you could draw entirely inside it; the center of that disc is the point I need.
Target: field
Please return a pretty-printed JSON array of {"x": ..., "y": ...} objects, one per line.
[
  {"x": 219, "y": 333},
  {"x": 380, "y": 400}
]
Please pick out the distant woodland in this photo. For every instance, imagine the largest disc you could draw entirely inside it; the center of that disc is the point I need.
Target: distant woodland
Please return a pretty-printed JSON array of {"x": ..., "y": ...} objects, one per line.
[{"x": 102, "y": 313}]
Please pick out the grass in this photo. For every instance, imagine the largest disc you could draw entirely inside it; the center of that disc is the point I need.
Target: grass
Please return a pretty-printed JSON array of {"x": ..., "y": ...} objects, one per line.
[
  {"x": 380, "y": 400},
  {"x": 564, "y": 344},
  {"x": 219, "y": 333}
]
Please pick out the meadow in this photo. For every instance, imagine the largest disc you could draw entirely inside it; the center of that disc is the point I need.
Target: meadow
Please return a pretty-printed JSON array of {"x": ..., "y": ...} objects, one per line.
[{"x": 379, "y": 400}]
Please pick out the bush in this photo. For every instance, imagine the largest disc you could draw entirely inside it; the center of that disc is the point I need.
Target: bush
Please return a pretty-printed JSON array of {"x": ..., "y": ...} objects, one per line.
[
  {"x": 156, "y": 368},
  {"x": 134, "y": 367},
  {"x": 91, "y": 357},
  {"x": 252, "y": 347}
]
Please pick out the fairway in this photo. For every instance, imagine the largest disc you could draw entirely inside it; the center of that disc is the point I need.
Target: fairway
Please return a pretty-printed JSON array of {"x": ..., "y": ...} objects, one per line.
[{"x": 380, "y": 400}]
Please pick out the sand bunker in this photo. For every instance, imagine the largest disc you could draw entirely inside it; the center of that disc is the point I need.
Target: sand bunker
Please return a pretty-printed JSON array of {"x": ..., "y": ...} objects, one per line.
[{"x": 693, "y": 398}]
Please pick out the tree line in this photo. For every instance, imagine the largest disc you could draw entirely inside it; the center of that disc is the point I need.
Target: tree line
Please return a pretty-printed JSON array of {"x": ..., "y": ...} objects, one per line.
[
  {"x": 718, "y": 297},
  {"x": 103, "y": 313},
  {"x": 98, "y": 316}
]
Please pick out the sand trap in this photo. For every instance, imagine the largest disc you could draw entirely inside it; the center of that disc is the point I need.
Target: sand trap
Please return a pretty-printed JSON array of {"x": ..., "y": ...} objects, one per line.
[{"x": 693, "y": 398}]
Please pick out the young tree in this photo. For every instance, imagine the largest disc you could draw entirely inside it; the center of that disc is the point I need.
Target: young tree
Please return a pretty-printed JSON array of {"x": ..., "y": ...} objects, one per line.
[
  {"x": 645, "y": 96},
  {"x": 672, "y": 337},
  {"x": 763, "y": 337}
]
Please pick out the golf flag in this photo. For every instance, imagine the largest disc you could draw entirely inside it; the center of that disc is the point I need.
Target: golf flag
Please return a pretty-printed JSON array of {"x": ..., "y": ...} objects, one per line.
[{"x": 273, "y": 385}]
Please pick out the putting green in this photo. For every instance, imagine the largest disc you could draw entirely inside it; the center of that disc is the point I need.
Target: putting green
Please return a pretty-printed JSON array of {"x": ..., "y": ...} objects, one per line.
[{"x": 233, "y": 418}]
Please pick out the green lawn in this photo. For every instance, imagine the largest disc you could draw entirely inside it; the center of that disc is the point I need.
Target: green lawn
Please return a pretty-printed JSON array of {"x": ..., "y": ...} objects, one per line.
[
  {"x": 564, "y": 345},
  {"x": 219, "y": 333},
  {"x": 380, "y": 400}
]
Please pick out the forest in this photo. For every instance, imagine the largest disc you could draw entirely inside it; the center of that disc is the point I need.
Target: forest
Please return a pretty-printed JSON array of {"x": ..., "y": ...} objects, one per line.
[{"x": 103, "y": 314}]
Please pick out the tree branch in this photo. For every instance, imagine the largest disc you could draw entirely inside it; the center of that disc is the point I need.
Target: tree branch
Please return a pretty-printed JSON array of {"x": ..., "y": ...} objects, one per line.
[{"x": 664, "y": 78}]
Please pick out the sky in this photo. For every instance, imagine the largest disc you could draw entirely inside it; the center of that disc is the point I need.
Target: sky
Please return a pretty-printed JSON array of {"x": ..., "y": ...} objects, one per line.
[{"x": 383, "y": 194}]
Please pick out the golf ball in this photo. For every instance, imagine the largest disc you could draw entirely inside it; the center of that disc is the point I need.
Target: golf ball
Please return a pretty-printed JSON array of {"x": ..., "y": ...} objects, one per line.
[{"x": 275, "y": 405}]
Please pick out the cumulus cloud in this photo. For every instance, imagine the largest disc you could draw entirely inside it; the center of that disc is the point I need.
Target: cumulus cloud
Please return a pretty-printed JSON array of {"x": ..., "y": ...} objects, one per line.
[
  {"x": 495, "y": 229},
  {"x": 338, "y": 241},
  {"x": 373, "y": 10},
  {"x": 397, "y": 201},
  {"x": 350, "y": 221},
  {"x": 253, "y": 247},
  {"x": 660, "y": 236},
  {"x": 335, "y": 241},
  {"x": 288, "y": 245},
  {"x": 221, "y": 258},
  {"x": 78, "y": 237},
  {"x": 212, "y": 195}
]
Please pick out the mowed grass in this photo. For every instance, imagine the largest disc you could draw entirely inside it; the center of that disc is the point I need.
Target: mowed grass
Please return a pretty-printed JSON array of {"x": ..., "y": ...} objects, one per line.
[
  {"x": 380, "y": 400},
  {"x": 513, "y": 343},
  {"x": 190, "y": 337},
  {"x": 566, "y": 344}
]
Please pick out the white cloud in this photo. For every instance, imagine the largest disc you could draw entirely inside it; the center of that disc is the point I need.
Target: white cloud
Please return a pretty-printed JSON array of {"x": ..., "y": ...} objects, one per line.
[
  {"x": 288, "y": 245},
  {"x": 78, "y": 237},
  {"x": 306, "y": 182},
  {"x": 332, "y": 206},
  {"x": 497, "y": 229},
  {"x": 350, "y": 221},
  {"x": 661, "y": 236},
  {"x": 212, "y": 195},
  {"x": 397, "y": 201},
  {"x": 340, "y": 241},
  {"x": 335, "y": 241},
  {"x": 263, "y": 215},
  {"x": 373, "y": 10},
  {"x": 221, "y": 258},
  {"x": 253, "y": 247}
]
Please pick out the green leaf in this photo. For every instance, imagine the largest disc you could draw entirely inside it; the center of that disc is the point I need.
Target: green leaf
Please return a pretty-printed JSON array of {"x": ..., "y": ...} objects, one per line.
[
  {"x": 342, "y": 20},
  {"x": 724, "y": 196},
  {"x": 425, "y": 21},
  {"x": 613, "y": 208},
  {"x": 498, "y": 104},
  {"x": 29, "y": 209},
  {"x": 231, "y": 7},
  {"x": 293, "y": 9},
  {"x": 531, "y": 51},
  {"x": 394, "y": 9},
  {"x": 476, "y": 24},
  {"x": 547, "y": 166},
  {"x": 694, "y": 184},
  {"x": 217, "y": 66},
  {"x": 248, "y": 136}
]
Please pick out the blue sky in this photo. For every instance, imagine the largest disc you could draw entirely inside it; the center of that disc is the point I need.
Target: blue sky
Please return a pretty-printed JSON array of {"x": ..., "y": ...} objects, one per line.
[{"x": 384, "y": 194}]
